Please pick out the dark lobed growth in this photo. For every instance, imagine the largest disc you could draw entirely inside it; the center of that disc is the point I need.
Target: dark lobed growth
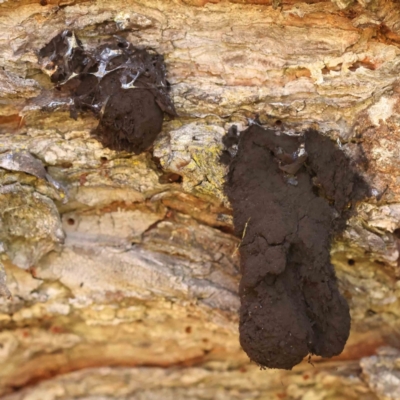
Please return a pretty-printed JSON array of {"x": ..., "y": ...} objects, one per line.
[
  {"x": 289, "y": 196},
  {"x": 124, "y": 86}
]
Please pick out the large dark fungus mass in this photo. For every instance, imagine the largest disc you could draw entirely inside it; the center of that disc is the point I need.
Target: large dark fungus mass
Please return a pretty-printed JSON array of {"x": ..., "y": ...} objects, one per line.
[
  {"x": 124, "y": 86},
  {"x": 290, "y": 195}
]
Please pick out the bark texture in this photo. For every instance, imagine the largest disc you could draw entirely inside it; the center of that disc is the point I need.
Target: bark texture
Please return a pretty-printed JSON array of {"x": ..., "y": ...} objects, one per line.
[{"x": 123, "y": 268}]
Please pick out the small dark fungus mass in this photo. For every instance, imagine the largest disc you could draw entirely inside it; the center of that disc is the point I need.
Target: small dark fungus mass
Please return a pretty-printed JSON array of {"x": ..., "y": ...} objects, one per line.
[
  {"x": 124, "y": 86},
  {"x": 290, "y": 195}
]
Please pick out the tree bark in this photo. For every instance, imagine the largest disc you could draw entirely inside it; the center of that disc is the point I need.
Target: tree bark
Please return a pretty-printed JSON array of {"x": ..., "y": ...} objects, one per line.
[{"x": 123, "y": 269}]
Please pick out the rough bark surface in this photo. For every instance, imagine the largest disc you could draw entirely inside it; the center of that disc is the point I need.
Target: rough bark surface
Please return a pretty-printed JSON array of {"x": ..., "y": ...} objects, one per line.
[{"x": 124, "y": 269}]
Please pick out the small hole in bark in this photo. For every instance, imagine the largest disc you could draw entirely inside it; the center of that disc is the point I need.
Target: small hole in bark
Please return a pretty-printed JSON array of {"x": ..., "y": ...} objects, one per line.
[
  {"x": 396, "y": 233},
  {"x": 354, "y": 67},
  {"x": 70, "y": 221},
  {"x": 188, "y": 329},
  {"x": 62, "y": 77},
  {"x": 103, "y": 159},
  {"x": 370, "y": 313},
  {"x": 170, "y": 178},
  {"x": 226, "y": 229},
  {"x": 351, "y": 262},
  {"x": 43, "y": 2},
  {"x": 157, "y": 162},
  {"x": 278, "y": 122}
]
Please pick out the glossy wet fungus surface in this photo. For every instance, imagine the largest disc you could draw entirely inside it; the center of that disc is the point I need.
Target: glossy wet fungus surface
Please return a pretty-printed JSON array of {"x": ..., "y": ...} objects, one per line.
[
  {"x": 289, "y": 195},
  {"x": 123, "y": 86}
]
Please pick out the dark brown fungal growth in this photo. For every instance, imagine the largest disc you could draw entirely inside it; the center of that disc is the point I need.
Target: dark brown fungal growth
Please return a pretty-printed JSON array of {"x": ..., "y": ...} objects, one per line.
[
  {"x": 230, "y": 141},
  {"x": 123, "y": 86},
  {"x": 290, "y": 303}
]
